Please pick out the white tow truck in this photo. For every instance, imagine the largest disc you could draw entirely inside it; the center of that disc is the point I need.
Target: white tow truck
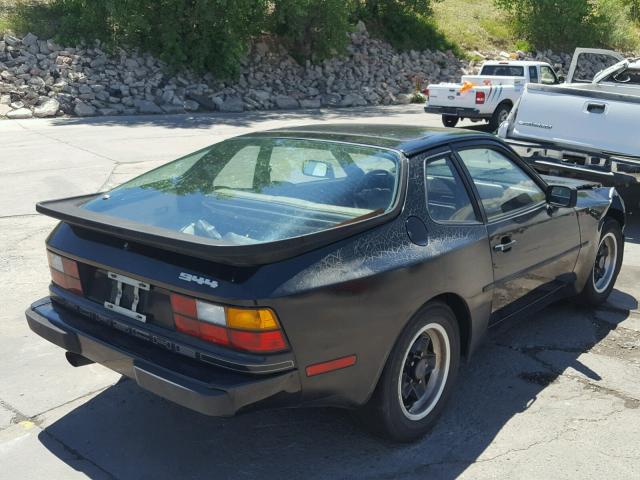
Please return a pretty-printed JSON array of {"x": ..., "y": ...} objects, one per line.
[{"x": 488, "y": 96}]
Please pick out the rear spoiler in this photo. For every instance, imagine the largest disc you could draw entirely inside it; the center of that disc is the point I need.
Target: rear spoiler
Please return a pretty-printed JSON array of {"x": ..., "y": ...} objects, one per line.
[{"x": 69, "y": 211}]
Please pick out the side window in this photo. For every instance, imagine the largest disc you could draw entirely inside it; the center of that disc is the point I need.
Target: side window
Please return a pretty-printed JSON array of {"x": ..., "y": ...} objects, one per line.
[
  {"x": 502, "y": 185},
  {"x": 239, "y": 170},
  {"x": 447, "y": 197},
  {"x": 291, "y": 164},
  {"x": 533, "y": 74},
  {"x": 547, "y": 75}
]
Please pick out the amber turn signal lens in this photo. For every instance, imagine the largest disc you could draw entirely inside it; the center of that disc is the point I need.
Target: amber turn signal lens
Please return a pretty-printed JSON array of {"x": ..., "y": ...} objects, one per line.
[{"x": 251, "y": 319}]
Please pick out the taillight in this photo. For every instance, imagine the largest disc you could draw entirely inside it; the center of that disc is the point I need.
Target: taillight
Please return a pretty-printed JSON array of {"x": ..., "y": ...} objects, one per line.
[
  {"x": 250, "y": 329},
  {"x": 425, "y": 92},
  {"x": 480, "y": 98},
  {"x": 64, "y": 273}
]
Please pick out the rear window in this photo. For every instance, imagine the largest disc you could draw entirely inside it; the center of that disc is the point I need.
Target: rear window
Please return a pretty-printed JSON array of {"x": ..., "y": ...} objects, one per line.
[
  {"x": 255, "y": 190},
  {"x": 503, "y": 70}
]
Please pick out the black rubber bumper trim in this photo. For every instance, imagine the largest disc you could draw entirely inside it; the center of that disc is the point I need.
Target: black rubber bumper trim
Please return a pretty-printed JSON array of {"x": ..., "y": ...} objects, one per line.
[
  {"x": 207, "y": 398},
  {"x": 461, "y": 112}
]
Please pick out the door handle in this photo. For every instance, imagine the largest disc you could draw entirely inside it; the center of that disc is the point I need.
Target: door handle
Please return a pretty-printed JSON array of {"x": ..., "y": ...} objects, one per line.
[
  {"x": 504, "y": 247},
  {"x": 596, "y": 107}
]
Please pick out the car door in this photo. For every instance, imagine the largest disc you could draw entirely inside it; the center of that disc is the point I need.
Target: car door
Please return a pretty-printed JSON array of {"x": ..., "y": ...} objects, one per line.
[{"x": 534, "y": 246}]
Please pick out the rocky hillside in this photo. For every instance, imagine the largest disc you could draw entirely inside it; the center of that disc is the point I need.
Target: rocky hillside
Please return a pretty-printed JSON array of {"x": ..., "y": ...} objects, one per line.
[{"x": 39, "y": 78}]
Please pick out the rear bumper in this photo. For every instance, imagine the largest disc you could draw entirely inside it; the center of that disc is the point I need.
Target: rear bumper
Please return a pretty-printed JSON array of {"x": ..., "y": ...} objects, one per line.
[
  {"x": 208, "y": 390},
  {"x": 456, "y": 112}
]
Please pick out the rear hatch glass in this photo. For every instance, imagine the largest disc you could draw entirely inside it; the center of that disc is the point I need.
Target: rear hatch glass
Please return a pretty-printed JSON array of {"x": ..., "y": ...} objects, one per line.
[{"x": 255, "y": 190}]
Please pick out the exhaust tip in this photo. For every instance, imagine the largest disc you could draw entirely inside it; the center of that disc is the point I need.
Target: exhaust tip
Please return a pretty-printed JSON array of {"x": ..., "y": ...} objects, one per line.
[{"x": 77, "y": 360}]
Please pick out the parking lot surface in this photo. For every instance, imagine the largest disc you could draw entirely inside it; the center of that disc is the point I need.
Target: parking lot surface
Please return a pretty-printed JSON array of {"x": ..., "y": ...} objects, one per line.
[{"x": 556, "y": 395}]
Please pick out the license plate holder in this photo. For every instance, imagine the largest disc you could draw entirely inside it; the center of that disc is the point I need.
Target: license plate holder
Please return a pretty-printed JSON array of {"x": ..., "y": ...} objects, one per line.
[{"x": 117, "y": 306}]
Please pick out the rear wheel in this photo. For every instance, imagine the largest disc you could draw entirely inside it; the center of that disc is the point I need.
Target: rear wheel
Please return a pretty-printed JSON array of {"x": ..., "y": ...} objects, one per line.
[
  {"x": 499, "y": 115},
  {"x": 450, "y": 120},
  {"x": 606, "y": 265},
  {"x": 418, "y": 377}
]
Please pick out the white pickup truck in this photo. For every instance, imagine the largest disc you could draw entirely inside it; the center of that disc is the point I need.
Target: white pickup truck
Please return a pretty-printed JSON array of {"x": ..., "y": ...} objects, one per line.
[
  {"x": 586, "y": 128},
  {"x": 489, "y": 95}
]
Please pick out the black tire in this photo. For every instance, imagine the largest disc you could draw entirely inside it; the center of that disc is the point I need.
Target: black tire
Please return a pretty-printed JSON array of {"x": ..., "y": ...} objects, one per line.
[
  {"x": 599, "y": 285},
  {"x": 500, "y": 114},
  {"x": 450, "y": 120},
  {"x": 387, "y": 413}
]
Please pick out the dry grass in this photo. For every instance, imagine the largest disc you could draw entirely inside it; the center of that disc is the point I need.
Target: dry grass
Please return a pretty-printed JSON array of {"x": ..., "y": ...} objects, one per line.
[{"x": 474, "y": 24}]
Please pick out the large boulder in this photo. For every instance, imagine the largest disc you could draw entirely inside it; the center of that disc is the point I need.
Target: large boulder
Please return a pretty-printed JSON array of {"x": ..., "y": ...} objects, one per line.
[
  {"x": 145, "y": 106},
  {"x": 49, "y": 108},
  {"x": 20, "y": 114},
  {"x": 286, "y": 102},
  {"x": 82, "y": 109},
  {"x": 232, "y": 104},
  {"x": 310, "y": 103},
  {"x": 4, "y": 109}
]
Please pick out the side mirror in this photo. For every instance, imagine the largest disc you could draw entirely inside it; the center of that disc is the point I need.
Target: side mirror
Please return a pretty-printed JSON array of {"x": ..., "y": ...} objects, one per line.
[
  {"x": 562, "y": 196},
  {"x": 561, "y": 78},
  {"x": 317, "y": 168}
]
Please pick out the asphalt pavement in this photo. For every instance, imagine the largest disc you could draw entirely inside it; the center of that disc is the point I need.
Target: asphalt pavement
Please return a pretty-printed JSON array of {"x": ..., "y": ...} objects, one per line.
[{"x": 554, "y": 396}]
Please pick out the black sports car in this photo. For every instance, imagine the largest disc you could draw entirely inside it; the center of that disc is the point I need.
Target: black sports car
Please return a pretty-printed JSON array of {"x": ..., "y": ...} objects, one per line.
[{"x": 343, "y": 265}]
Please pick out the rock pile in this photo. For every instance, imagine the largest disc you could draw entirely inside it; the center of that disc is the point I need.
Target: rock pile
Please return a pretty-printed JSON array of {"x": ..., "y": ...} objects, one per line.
[{"x": 41, "y": 79}]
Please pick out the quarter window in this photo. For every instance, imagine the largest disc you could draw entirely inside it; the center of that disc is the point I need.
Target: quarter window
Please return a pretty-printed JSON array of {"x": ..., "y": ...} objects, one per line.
[
  {"x": 447, "y": 197},
  {"x": 533, "y": 74},
  {"x": 502, "y": 185}
]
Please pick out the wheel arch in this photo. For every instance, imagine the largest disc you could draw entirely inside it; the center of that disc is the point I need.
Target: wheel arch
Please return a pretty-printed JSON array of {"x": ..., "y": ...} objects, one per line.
[
  {"x": 617, "y": 211},
  {"x": 463, "y": 317}
]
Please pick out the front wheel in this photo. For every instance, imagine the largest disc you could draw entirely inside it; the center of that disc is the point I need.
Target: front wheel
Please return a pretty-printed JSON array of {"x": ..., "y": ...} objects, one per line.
[
  {"x": 418, "y": 376},
  {"x": 606, "y": 266},
  {"x": 450, "y": 120}
]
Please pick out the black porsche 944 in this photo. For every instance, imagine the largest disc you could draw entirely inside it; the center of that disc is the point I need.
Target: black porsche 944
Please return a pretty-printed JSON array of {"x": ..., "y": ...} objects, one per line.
[{"x": 334, "y": 265}]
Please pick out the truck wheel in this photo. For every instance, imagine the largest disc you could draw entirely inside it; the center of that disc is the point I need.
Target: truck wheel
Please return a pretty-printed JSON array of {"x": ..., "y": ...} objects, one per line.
[
  {"x": 500, "y": 114},
  {"x": 606, "y": 265},
  {"x": 449, "y": 121},
  {"x": 418, "y": 377}
]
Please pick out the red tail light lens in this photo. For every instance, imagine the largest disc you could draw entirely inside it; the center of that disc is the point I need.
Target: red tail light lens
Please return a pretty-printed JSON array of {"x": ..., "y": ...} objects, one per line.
[
  {"x": 252, "y": 330},
  {"x": 480, "y": 97},
  {"x": 65, "y": 273},
  {"x": 272, "y": 341},
  {"x": 425, "y": 92}
]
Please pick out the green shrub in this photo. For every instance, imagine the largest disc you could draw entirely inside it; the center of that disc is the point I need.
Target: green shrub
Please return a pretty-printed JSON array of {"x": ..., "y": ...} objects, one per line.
[
  {"x": 406, "y": 24},
  {"x": 312, "y": 29},
  {"x": 571, "y": 23},
  {"x": 204, "y": 35}
]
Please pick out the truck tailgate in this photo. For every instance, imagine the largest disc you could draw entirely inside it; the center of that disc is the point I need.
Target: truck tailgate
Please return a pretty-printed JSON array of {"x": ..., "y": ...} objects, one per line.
[{"x": 585, "y": 117}]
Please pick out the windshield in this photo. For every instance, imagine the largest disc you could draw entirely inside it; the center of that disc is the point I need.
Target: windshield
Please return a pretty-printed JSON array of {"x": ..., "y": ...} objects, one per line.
[
  {"x": 503, "y": 70},
  {"x": 254, "y": 190}
]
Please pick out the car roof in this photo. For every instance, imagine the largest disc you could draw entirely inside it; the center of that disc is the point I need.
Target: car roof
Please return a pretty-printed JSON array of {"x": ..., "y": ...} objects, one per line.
[{"x": 409, "y": 139}]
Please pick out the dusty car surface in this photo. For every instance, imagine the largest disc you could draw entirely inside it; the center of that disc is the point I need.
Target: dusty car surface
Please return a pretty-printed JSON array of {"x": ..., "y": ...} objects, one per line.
[{"x": 341, "y": 265}]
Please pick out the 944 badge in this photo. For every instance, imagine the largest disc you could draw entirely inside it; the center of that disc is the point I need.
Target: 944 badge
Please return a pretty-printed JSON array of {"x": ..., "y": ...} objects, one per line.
[{"x": 188, "y": 277}]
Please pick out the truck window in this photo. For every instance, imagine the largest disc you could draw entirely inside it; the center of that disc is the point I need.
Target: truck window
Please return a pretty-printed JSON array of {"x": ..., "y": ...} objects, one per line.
[
  {"x": 629, "y": 76},
  {"x": 533, "y": 74},
  {"x": 503, "y": 70},
  {"x": 548, "y": 76}
]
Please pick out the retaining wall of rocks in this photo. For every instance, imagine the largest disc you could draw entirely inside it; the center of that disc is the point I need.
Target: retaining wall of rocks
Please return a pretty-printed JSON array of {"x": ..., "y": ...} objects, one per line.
[{"x": 42, "y": 79}]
